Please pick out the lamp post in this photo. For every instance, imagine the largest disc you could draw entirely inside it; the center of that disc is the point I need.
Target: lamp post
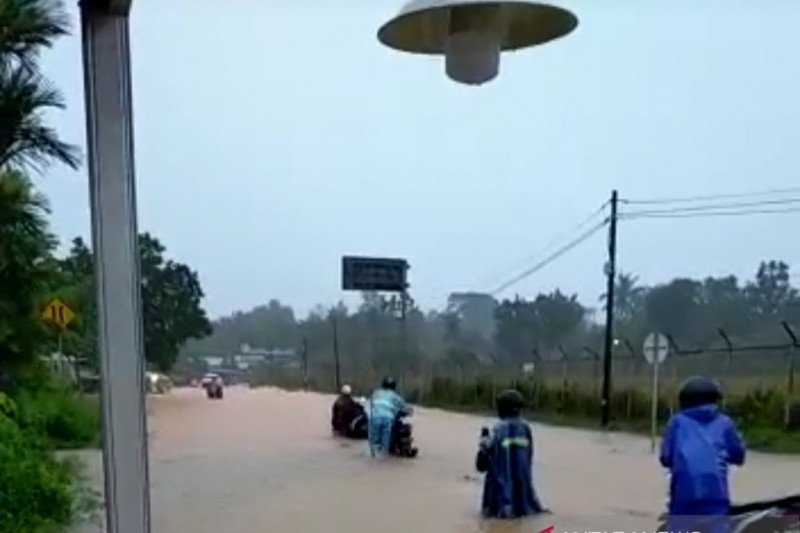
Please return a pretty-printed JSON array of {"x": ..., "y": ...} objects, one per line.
[
  {"x": 472, "y": 34},
  {"x": 109, "y": 132}
]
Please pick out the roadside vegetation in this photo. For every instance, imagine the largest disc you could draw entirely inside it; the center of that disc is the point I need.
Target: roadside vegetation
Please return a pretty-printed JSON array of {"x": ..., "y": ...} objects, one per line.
[{"x": 43, "y": 412}]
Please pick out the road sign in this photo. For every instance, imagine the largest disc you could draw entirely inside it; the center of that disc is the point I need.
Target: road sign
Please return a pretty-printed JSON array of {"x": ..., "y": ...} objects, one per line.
[
  {"x": 374, "y": 274},
  {"x": 656, "y": 348},
  {"x": 58, "y": 313}
]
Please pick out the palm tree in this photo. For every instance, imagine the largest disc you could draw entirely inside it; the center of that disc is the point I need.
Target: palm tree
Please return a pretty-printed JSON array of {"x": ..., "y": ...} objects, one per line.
[
  {"x": 628, "y": 297},
  {"x": 27, "y": 26},
  {"x": 26, "y": 267},
  {"x": 25, "y": 141}
]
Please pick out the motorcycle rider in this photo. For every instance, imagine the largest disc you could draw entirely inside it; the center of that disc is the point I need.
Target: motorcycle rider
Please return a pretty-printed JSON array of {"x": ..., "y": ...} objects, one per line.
[
  {"x": 385, "y": 405},
  {"x": 344, "y": 413},
  {"x": 505, "y": 455},
  {"x": 698, "y": 445}
]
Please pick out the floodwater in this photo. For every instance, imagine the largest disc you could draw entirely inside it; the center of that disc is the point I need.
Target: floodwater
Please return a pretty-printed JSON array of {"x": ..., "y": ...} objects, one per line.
[{"x": 264, "y": 460}]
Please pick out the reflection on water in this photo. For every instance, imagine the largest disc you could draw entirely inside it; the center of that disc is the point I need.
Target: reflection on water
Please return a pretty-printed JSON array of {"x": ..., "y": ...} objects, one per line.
[{"x": 264, "y": 460}]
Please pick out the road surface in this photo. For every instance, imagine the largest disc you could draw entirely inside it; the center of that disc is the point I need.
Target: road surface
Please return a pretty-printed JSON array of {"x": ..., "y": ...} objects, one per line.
[{"x": 263, "y": 460}]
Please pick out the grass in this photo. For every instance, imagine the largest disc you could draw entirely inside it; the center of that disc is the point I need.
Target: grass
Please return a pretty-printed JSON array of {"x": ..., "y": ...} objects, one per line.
[
  {"x": 766, "y": 440},
  {"x": 65, "y": 418}
]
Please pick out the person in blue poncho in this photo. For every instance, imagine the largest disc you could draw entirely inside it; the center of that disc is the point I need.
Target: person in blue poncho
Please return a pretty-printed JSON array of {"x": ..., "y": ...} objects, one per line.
[
  {"x": 505, "y": 456},
  {"x": 385, "y": 405},
  {"x": 698, "y": 445}
]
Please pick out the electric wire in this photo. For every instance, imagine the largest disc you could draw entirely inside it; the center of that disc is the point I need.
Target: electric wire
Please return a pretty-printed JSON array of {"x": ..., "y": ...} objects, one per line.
[
  {"x": 552, "y": 243},
  {"x": 714, "y": 207},
  {"x": 707, "y": 214},
  {"x": 724, "y": 196},
  {"x": 552, "y": 257}
]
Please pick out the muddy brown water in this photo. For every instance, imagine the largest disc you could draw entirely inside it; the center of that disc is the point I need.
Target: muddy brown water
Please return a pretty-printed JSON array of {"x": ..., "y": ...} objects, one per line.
[{"x": 264, "y": 460}]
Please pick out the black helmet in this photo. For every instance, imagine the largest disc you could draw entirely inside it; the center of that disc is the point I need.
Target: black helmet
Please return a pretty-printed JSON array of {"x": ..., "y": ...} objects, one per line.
[
  {"x": 698, "y": 391},
  {"x": 389, "y": 383},
  {"x": 509, "y": 403}
]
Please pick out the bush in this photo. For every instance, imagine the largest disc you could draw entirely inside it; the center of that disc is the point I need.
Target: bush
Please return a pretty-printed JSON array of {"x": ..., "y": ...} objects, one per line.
[
  {"x": 36, "y": 490},
  {"x": 61, "y": 416}
]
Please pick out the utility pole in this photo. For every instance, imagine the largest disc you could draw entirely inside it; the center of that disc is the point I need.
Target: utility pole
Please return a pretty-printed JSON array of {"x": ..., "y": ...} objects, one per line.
[
  {"x": 305, "y": 364},
  {"x": 611, "y": 272},
  {"x": 337, "y": 375},
  {"x": 404, "y": 333}
]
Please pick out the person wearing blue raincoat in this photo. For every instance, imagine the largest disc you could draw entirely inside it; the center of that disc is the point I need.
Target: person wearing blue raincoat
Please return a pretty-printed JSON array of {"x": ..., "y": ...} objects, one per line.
[
  {"x": 385, "y": 405},
  {"x": 699, "y": 444},
  {"x": 505, "y": 456}
]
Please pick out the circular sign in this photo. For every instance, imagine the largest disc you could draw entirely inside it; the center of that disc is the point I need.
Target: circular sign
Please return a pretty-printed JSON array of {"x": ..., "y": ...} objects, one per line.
[{"x": 656, "y": 348}]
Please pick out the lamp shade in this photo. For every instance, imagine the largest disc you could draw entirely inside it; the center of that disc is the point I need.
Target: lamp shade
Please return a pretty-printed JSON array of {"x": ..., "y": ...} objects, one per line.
[{"x": 471, "y": 34}]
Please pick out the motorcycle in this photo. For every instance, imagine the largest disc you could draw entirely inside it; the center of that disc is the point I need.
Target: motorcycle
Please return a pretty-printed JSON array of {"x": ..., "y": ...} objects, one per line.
[
  {"x": 357, "y": 429},
  {"x": 402, "y": 439},
  {"x": 214, "y": 390},
  {"x": 770, "y": 516}
]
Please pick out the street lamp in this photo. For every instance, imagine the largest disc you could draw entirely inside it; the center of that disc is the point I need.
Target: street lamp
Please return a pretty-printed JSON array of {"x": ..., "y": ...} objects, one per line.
[{"x": 471, "y": 34}]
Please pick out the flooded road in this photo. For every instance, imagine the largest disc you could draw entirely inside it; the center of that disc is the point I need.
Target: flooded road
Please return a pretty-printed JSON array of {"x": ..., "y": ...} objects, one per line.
[{"x": 264, "y": 460}]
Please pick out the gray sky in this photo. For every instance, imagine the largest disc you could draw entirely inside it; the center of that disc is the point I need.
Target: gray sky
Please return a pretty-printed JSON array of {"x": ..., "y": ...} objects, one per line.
[{"x": 271, "y": 138}]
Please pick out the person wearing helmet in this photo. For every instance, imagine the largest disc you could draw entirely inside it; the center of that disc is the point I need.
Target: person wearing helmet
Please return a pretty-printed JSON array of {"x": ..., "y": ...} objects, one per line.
[
  {"x": 385, "y": 405},
  {"x": 346, "y": 413},
  {"x": 505, "y": 456},
  {"x": 698, "y": 445}
]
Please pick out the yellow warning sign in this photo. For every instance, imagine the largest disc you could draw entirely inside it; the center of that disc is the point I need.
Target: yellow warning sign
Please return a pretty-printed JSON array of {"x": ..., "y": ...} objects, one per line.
[{"x": 58, "y": 313}]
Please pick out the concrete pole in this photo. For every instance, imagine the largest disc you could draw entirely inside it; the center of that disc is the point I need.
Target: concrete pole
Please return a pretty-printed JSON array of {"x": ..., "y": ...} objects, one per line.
[{"x": 109, "y": 117}]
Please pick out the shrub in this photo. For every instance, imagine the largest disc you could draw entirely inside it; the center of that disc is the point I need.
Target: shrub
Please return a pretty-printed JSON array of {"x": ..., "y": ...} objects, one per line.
[
  {"x": 36, "y": 490},
  {"x": 65, "y": 419}
]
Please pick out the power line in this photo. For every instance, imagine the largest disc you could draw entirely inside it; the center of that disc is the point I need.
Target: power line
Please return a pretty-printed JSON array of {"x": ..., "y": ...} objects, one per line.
[
  {"x": 634, "y": 216},
  {"x": 713, "y": 207},
  {"x": 552, "y": 257},
  {"x": 556, "y": 240},
  {"x": 689, "y": 199}
]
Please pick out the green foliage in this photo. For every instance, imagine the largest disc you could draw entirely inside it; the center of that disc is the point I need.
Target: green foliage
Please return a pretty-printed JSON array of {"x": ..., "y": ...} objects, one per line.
[
  {"x": 26, "y": 269},
  {"x": 65, "y": 419},
  {"x": 25, "y": 95},
  {"x": 28, "y": 26},
  {"x": 37, "y": 494},
  {"x": 759, "y": 413},
  {"x": 171, "y": 302}
]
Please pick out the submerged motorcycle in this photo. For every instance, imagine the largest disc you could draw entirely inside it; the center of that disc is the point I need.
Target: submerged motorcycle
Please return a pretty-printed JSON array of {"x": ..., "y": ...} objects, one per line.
[
  {"x": 402, "y": 444},
  {"x": 402, "y": 438},
  {"x": 770, "y": 516}
]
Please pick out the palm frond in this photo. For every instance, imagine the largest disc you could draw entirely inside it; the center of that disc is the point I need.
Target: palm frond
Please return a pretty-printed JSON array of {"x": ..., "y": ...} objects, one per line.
[
  {"x": 24, "y": 140},
  {"x": 28, "y": 26}
]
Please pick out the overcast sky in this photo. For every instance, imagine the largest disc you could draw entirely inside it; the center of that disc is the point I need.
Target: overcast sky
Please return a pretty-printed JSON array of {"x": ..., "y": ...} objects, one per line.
[{"x": 273, "y": 137}]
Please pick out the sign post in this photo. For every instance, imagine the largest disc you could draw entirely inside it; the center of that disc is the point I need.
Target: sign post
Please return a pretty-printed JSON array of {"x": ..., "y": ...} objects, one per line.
[
  {"x": 656, "y": 349},
  {"x": 379, "y": 274},
  {"x": 58, "y": 313}
]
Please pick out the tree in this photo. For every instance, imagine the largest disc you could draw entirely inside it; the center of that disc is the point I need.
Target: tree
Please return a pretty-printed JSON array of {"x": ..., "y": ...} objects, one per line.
[
  {"x": 171, "y": 304},
  {"x": 542, "y": 324},
  {"x": 475, "y": 312},
  {"x": 172, "y": 311},
  {"x": 675, "y": 308},
  {"x": 28, "y": 26},
  {"x": 25, "y": 95},
  {"x": 725, "y": 306},
  {"x": 772, "y": 292},
  {"x": 26, "y": 268},
  {"x": 558, "y": 316}
]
